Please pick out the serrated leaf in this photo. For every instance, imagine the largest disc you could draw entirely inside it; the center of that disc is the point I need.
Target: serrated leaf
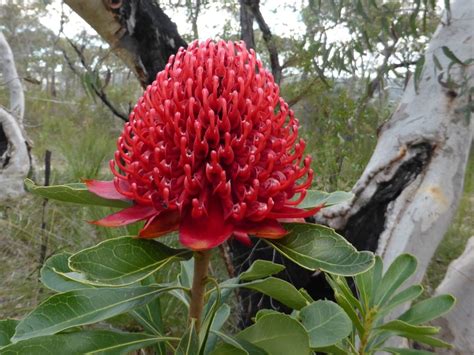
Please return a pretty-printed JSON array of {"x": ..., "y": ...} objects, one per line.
[
  {"x": 74, "y": 193},
  {"x": 80, "y": 307},
  {"x": 84, "y": 342},
  {"x": 7, "y": 329},
  {"x": 51, "y": 274},
  {"x": 123, "y": 261},
  {"x": 428, "y": 310},
  {"x": 261, "y": 269},
  {"x": 326, "y": 323},
  {"x": 314, "y": 247},
  {"x": 316, "y": 198},
  {"x": 398, "y": 272}
]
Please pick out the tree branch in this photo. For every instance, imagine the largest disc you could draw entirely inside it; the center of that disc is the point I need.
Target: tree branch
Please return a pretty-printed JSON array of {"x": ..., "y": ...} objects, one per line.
[
  {"x": 99, "y": 91},
  {"x": 138, "y": 31},
  {"x": 246, "y": 25},
  {"x": 12, "y": 80},
  {"x": 254, "y": 5}
]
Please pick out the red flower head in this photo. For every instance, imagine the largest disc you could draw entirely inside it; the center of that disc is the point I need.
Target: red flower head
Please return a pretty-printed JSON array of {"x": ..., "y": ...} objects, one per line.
[{"x": 211, "y": 150}]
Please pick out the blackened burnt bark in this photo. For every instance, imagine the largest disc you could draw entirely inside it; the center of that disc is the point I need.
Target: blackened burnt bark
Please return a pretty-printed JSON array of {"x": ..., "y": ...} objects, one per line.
[
  {"x": 4, "y": 158},
  {"x": 365, "y": 227},
  {"x": 151, "y": 33}
]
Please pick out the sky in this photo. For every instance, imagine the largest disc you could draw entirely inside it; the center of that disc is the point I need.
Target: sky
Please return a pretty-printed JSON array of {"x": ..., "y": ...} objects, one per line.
[{"x": 280, "y": 17}]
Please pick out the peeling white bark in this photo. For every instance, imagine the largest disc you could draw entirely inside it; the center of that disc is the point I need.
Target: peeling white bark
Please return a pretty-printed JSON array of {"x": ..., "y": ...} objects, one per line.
[
  {"x": 14, "y": 161},
  {"x": 16, "y": 168},
  {"x": 422, "y": 151},
  {"x": 457, "y": 327}
]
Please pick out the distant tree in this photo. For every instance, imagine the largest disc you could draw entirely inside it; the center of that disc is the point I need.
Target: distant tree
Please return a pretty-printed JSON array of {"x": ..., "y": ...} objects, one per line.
[{"x": 14, "y": 156}]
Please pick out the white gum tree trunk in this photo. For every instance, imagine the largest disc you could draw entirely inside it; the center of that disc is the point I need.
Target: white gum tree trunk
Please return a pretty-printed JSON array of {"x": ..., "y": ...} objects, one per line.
[
  {"x": 408, "y": 194},
  {"x": 14, "y": 156}
]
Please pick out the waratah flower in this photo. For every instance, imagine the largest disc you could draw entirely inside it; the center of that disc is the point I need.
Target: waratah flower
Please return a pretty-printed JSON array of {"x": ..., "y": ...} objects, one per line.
[{"x": 211, "y": 150}]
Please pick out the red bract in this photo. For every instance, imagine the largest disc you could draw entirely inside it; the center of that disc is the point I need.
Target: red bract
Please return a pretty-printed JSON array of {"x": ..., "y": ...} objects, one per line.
[{"x": 211, "y": 150}]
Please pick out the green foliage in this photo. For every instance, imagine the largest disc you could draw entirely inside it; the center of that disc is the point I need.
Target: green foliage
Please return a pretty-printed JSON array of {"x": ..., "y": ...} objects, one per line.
[
  {"x": 88, "y": 341},
  {"x": 315, "y": 198},
  {"x": 53, "y": 274},
  {"x": 74, "y": 193},
  {"x": 326, "y": 323},
  {"x": 313, "y": 247},
  {"x": 276, "y": 334},
  {"x": 376, "y": 295},
  {"x": 122, "y": 261},
  {"x": 85, "y": 306}
]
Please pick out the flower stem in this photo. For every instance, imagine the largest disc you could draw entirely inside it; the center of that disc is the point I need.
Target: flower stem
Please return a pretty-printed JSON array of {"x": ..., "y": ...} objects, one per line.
[{"x": 201, "y": 266}]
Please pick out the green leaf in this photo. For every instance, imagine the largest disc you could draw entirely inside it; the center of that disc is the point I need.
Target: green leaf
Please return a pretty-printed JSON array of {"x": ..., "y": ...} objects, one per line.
[
  {"x": 437, "y": 63},
  {"x": 313, "y": 247},
  {"x": 407, "y": 295},
  {"x": 339, "y": 283},
  {"x": 185, "y": 276},
  {"x": 84, "y": 342},
  {"x": 209, "y": 317},
  {"x": 51, "y": 274},
  {"x": 264, "y": 312},
  {"x": 79, "y": 307},
  {"x": 428, "y": 310},
  {"x": 426, "y": 339},
  {"x": 449, "y": 53},
  {"x": 333, "y": 350},
  {"x": 399, "y": 351},
  {"x": 366, "y": 283},
  {"x": 315, "y": 198},
  {"x": 278, "y": 289},
  {"x": 189, "y": 343},
  {"x": 399, "y": 326},
  {"x": 398, "y": 272},
  {"x": 306, "y": 295},
  {"x": 233, "y": 346},
  {"x": 277, "y": 334},
  {"x": 326, "y": 323},
  {"x": 123, "y": 261},
  {"x": 418, "y": 71},
  {"x": 149, "y": 316},
  {"x": 350, "y": 311},
  {"x": 74, "y": 193},
  {"x": 220, "y": 318},
  {"x": 261, "y": 269},
  {"x": 7, "y": 329}
]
